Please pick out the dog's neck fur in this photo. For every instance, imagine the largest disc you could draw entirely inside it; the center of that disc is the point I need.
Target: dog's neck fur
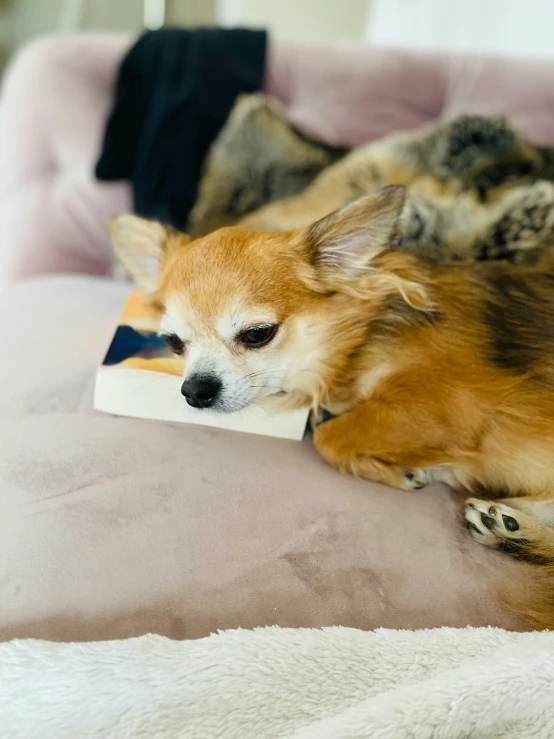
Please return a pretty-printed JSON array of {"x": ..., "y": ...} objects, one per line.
[{"x": 395, "y": 295}]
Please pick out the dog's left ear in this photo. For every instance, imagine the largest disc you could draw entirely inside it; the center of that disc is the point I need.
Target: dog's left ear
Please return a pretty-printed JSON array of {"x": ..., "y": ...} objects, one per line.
[
  {"x": 143, "y": 246},
  {"x": 344, "y": 243}
]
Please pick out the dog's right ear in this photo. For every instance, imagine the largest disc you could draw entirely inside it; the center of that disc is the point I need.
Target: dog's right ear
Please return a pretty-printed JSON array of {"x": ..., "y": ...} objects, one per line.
[{"x": 143, "y": 246}]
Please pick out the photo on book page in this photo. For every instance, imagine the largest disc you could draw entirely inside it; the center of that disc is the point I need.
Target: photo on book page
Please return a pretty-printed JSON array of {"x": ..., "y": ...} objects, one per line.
[{"x": 142, "y": 378}]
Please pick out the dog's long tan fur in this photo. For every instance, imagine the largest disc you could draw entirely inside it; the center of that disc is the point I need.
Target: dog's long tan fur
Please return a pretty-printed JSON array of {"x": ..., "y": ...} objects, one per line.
[{"x": 431, "y": 371}]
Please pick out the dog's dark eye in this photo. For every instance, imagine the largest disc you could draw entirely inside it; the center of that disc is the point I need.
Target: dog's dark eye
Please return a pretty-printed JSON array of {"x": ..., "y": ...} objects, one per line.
[
  {"x": 176, "y": 344},
  {"x": 258, "y": 335}
]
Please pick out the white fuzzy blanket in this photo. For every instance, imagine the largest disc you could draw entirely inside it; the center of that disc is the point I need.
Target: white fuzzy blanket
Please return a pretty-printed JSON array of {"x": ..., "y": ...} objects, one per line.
[{"x": 332, "y": 683}]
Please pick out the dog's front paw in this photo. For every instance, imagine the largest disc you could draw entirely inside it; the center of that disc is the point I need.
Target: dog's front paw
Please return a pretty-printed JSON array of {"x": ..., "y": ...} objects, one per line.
[
  {"x": 331, "y": 445},
  {"x": 415, "y": 479}
]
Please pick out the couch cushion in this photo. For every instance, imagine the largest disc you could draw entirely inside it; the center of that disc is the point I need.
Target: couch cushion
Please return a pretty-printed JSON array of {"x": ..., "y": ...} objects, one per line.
[
  {"x": 114, "y": 527},
  {"x": 354, "y": 94}
]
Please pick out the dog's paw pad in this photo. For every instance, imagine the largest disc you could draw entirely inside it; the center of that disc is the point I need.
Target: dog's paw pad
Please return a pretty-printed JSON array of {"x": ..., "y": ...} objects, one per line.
[
  {"x": 492, "y": 524},
  {"x": 510, "y": 523}
]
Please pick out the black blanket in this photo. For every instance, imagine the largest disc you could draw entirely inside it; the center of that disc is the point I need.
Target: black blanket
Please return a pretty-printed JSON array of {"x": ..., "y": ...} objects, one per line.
[{"x": 174, "y": 92}]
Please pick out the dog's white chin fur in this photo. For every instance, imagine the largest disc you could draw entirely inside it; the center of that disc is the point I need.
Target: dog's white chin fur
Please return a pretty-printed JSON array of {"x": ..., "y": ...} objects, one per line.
[{"x": 268, "y": 401}]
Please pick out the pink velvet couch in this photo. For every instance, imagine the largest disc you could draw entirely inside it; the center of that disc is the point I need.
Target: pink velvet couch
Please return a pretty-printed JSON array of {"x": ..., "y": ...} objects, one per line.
[{"x": 114, "y": 527}]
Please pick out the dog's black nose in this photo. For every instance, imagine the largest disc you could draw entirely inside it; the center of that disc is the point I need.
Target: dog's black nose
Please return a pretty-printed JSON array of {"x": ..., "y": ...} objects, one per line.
[{"x": 200, "y": 391}]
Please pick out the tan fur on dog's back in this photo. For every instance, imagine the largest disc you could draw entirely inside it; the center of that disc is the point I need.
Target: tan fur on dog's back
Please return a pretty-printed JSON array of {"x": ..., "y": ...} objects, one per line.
[
  {"x": 444, "y": 404},
  {"x": 431, "y": 371}
]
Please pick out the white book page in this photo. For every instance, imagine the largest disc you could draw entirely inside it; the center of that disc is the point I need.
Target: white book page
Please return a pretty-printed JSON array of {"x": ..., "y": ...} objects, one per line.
[{"x": 155, "y": 395}]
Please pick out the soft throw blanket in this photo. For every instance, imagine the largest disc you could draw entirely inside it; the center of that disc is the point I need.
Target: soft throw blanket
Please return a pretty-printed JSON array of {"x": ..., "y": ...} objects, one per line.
[
  {"x": 174, "y": 91},
  {"x": 333, "y": 683}
]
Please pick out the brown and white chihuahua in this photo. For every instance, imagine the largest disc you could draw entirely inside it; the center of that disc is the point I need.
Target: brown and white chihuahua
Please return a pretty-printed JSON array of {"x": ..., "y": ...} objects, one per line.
[{"x": 429, "y": 371}]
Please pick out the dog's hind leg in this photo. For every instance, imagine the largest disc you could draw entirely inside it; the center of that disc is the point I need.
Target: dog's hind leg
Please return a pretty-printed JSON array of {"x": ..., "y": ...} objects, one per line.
[
  {"x": 520, "y": 527},
  {"x": 523, "y": 529}
]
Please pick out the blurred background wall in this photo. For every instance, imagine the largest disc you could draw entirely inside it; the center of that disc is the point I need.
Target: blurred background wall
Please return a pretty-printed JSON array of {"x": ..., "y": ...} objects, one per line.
[
  {"x": 301, "y": 20},
  {"x": 521, "y": 27},
  {"x": 497, "y": 26},
  {"x": 21, "y": 20}
]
